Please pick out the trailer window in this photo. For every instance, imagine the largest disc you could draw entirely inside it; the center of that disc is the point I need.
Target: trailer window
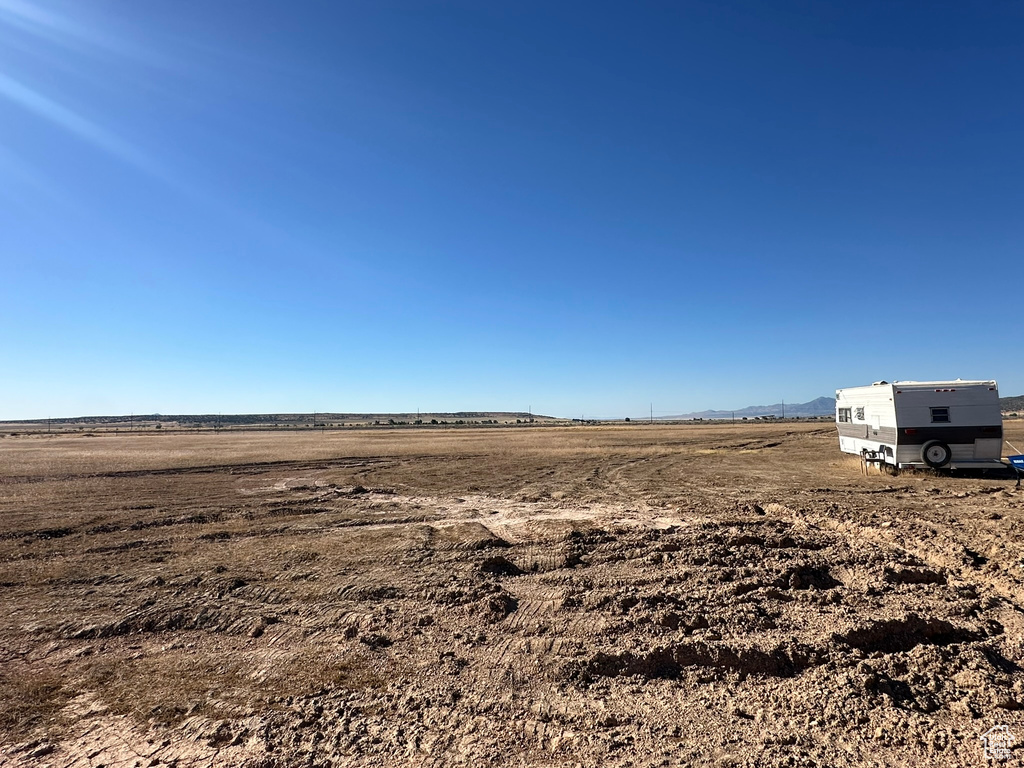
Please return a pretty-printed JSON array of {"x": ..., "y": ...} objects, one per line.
[
  {"x": 844, "y": 414},
  {"x": 940, "y": 415}
]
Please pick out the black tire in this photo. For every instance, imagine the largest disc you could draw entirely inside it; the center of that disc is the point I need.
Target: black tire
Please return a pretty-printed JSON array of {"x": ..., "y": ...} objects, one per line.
[{"x": 936, "y": 454}]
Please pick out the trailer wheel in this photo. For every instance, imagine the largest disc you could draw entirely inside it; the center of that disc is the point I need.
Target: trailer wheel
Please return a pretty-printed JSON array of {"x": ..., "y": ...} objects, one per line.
[{"x": 936, "y": 454}]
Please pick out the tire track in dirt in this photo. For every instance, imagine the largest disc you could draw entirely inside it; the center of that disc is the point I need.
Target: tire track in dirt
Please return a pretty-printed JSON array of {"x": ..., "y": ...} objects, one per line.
[{"x": 241, "y": 468}]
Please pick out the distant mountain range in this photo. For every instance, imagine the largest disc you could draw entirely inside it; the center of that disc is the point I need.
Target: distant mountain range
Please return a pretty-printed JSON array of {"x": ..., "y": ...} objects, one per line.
[{"x": 822, "y": 406}]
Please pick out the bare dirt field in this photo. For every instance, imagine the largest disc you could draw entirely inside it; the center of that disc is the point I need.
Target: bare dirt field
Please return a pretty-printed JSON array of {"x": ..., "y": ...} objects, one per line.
[{"x": 733, "y": 595}]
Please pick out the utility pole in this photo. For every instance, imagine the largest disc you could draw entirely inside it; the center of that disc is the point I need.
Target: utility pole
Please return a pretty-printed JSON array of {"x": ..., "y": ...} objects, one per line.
[
  {"x": 652, "y": 413},
  {"x": 131, "y": 421},
  {"x": 783, "y": 407}
]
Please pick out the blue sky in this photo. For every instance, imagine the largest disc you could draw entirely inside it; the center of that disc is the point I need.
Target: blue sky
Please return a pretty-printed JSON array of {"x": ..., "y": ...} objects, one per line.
[{"x": 580, "y": 207}]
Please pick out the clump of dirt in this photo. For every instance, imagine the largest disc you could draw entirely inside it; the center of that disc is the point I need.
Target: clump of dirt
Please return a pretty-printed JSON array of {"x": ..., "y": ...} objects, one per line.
[{"x": 500, "y": 566}]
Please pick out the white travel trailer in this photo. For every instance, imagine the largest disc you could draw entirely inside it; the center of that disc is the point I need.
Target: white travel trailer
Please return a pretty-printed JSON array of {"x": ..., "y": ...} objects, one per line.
[{"x": 937, "y": 424}]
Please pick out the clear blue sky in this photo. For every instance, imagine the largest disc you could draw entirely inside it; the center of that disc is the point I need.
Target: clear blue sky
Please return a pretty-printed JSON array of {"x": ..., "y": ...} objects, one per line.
[{"x": 255, "y": 206}]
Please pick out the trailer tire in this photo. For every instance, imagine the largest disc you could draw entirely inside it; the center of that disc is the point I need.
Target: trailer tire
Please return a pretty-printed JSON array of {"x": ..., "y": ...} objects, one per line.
[{"x": 936, "y": 454}]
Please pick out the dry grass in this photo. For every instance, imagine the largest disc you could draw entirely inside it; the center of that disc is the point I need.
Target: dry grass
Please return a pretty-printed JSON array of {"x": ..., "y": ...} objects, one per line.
[
  {"x": 57, "y": 456},
  {"x": 30, "y": 699}
]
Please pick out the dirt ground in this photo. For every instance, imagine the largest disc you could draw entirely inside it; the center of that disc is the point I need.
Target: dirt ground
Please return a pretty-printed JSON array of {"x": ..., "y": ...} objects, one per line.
[{"x": 644, "y": 595}]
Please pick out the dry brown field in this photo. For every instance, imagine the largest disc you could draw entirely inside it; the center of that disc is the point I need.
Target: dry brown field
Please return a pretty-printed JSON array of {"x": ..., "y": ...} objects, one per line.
[{"x": 642, "y": 595}]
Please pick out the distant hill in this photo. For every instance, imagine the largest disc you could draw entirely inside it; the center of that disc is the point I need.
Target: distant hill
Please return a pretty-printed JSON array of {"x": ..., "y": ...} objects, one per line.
[
  {"x": 1012, "y": 404},
  {"x": 286, "y": 420},
  {"x": 822, "y": 406}
]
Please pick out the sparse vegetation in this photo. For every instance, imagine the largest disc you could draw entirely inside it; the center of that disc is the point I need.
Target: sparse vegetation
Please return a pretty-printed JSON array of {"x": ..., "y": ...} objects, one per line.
[
  {"x": 31, "y": 697},
  {"x": 1012, "y": 403}
]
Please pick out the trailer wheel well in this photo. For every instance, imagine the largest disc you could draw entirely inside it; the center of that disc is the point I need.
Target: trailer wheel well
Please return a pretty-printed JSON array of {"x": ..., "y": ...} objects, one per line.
[{"x": 936, "y": 454}]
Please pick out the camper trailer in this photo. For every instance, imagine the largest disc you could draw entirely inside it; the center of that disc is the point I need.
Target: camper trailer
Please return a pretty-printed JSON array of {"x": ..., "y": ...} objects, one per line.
[{"x": 937, "y": 424}]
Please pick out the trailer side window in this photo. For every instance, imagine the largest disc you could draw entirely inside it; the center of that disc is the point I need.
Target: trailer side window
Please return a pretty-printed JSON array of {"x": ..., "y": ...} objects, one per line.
[
  {"x": 844, "y": 414},
  {"x": 940, "y": 415}
]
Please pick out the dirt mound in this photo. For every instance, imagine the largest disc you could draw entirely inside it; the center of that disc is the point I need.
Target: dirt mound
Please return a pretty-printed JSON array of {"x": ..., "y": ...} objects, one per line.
[
  {"x": 905, "y": 634},
  {"x": 671, "y": 661}
]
